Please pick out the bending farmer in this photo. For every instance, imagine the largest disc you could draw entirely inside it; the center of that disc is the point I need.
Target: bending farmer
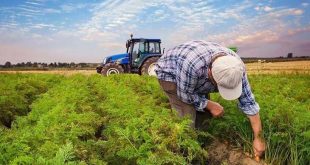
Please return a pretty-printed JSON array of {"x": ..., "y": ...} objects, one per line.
[{"x": 190, "y": 71}]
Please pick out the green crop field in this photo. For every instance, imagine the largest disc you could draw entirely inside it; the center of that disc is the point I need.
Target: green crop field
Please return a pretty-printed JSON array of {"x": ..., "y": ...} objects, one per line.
[{"x": 80, "y": 119}]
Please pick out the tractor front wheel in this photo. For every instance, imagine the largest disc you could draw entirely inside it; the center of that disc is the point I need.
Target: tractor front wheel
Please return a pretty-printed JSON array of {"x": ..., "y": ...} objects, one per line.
[
  {"x": 99, "y": 69},
  {"x": 148, "y": 67},
  {"x": 111, "y": 68}
]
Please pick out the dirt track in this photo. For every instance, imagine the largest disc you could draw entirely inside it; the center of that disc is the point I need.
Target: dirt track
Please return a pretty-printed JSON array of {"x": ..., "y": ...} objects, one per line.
[{"x": 252, "y": 68}]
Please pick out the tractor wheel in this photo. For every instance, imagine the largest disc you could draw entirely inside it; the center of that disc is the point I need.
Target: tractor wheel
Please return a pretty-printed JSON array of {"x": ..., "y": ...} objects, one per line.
[
  {"x": 99, "y": 68},
  {"x": 111, "y": 68},
  {"x": 148, "y": 67}
]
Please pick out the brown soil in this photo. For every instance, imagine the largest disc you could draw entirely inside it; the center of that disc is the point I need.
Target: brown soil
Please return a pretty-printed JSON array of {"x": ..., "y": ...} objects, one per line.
[{"x": 221, "y": 153}]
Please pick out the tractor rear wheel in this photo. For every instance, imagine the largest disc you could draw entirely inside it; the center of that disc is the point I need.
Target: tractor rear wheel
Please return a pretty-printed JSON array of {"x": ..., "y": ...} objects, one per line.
[
  {"x": 148, "y": 67},
  {"x": 111, "y": 68}
]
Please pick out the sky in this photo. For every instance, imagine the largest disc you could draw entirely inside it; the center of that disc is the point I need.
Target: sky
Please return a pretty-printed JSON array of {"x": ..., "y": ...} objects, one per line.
[{"x": 89, "y": 30}]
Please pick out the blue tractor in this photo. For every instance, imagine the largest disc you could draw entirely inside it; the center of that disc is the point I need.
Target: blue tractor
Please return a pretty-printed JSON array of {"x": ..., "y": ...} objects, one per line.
[{"x": 140, "y": 58}]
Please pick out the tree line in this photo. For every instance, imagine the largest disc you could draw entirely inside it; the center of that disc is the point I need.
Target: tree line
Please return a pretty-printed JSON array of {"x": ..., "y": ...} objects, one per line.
[{"x": 8, "y": 64}]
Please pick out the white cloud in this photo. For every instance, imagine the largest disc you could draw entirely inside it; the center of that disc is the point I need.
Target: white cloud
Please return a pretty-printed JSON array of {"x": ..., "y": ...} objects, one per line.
[
  {"x": 257, "y": 8},
  {"x": 260, "y": 36},
  {"x": 298, "y": 30},
  {"x": 33, "y": 3},
  {"x": 41, "y": 26},
  {"x": 305, "y": 4},
  {"x": 51, "y": 10},
  {"x": 264, "y": 8},
  {"x": 158, "y": 15},
  {"x": 267, "y": 8},
  {"x": 297, "y": 12},
  {"x": 29, "y": 10},
  {"x": 71, "y": 7},
  {"x": 285, "y": 12},
  {"x": 115, "y": 17}
]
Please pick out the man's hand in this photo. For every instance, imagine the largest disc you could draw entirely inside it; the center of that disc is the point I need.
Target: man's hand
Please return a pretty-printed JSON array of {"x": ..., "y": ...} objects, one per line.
[
  {"x": 258, "y": 142},
  {"x": 258, "y": 147},
  {"x": 215, "y": 108}
]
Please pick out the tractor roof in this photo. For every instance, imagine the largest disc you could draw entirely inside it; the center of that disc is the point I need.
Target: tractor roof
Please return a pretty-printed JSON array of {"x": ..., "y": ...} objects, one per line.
[{"x": 147, "y": 39}]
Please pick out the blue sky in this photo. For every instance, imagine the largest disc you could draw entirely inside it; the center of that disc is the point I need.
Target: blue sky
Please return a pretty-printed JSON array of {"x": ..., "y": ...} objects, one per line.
[{"x": 88, "y": 30}]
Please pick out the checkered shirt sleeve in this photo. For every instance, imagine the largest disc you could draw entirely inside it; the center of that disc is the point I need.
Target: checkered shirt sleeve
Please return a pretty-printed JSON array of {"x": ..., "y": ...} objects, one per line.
[{"x": 247, "y": 103}]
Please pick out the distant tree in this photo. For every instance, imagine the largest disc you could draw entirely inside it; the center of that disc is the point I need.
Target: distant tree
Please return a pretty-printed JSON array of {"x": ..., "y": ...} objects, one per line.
[
  {"x": 65, "y": 64},
  {"x": 51, "y": 65},
  {"x": 83, "y": 65},
  {"x": 72, "y": 64},
  {"x": 290, "y": 55},
  {"x": 62, "y": 64},
  {"x": 7, "y": 64},
  {"x": 35, "y": 64},
  {"x": 29, "y": 64},
  {"x": 44, "y": 64}
]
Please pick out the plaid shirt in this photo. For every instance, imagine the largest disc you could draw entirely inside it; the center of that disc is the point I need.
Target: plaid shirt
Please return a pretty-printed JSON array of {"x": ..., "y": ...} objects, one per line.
[{"x": 187, "y": 64}]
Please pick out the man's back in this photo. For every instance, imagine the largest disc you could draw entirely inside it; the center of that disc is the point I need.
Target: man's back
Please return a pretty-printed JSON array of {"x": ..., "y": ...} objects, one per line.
[{"x": 195, "y": 54}]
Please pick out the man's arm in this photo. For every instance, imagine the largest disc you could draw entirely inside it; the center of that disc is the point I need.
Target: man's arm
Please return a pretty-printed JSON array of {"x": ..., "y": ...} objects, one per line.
[
  {"x": 247, "y": 103},
  {"x": 250, "y": 107},
  {"x": 258, "y": 142}
]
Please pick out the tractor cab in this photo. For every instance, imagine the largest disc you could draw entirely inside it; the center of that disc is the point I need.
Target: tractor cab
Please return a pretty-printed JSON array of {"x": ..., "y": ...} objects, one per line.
[{"x": 140, "y": 49}]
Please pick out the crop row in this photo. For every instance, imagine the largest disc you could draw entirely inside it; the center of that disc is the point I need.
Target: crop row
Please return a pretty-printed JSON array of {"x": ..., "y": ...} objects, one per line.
[{"x": 18, "y": 91}]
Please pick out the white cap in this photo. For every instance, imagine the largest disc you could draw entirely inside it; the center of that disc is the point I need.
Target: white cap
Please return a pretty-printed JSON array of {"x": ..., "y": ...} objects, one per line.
[{"x": 227, "y": 71}]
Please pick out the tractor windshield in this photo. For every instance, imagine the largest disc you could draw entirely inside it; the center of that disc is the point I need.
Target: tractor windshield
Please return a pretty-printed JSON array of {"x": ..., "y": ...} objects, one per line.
[
  {"x": 135, "y": 51},
  {"x": 138, "y": 49}
]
